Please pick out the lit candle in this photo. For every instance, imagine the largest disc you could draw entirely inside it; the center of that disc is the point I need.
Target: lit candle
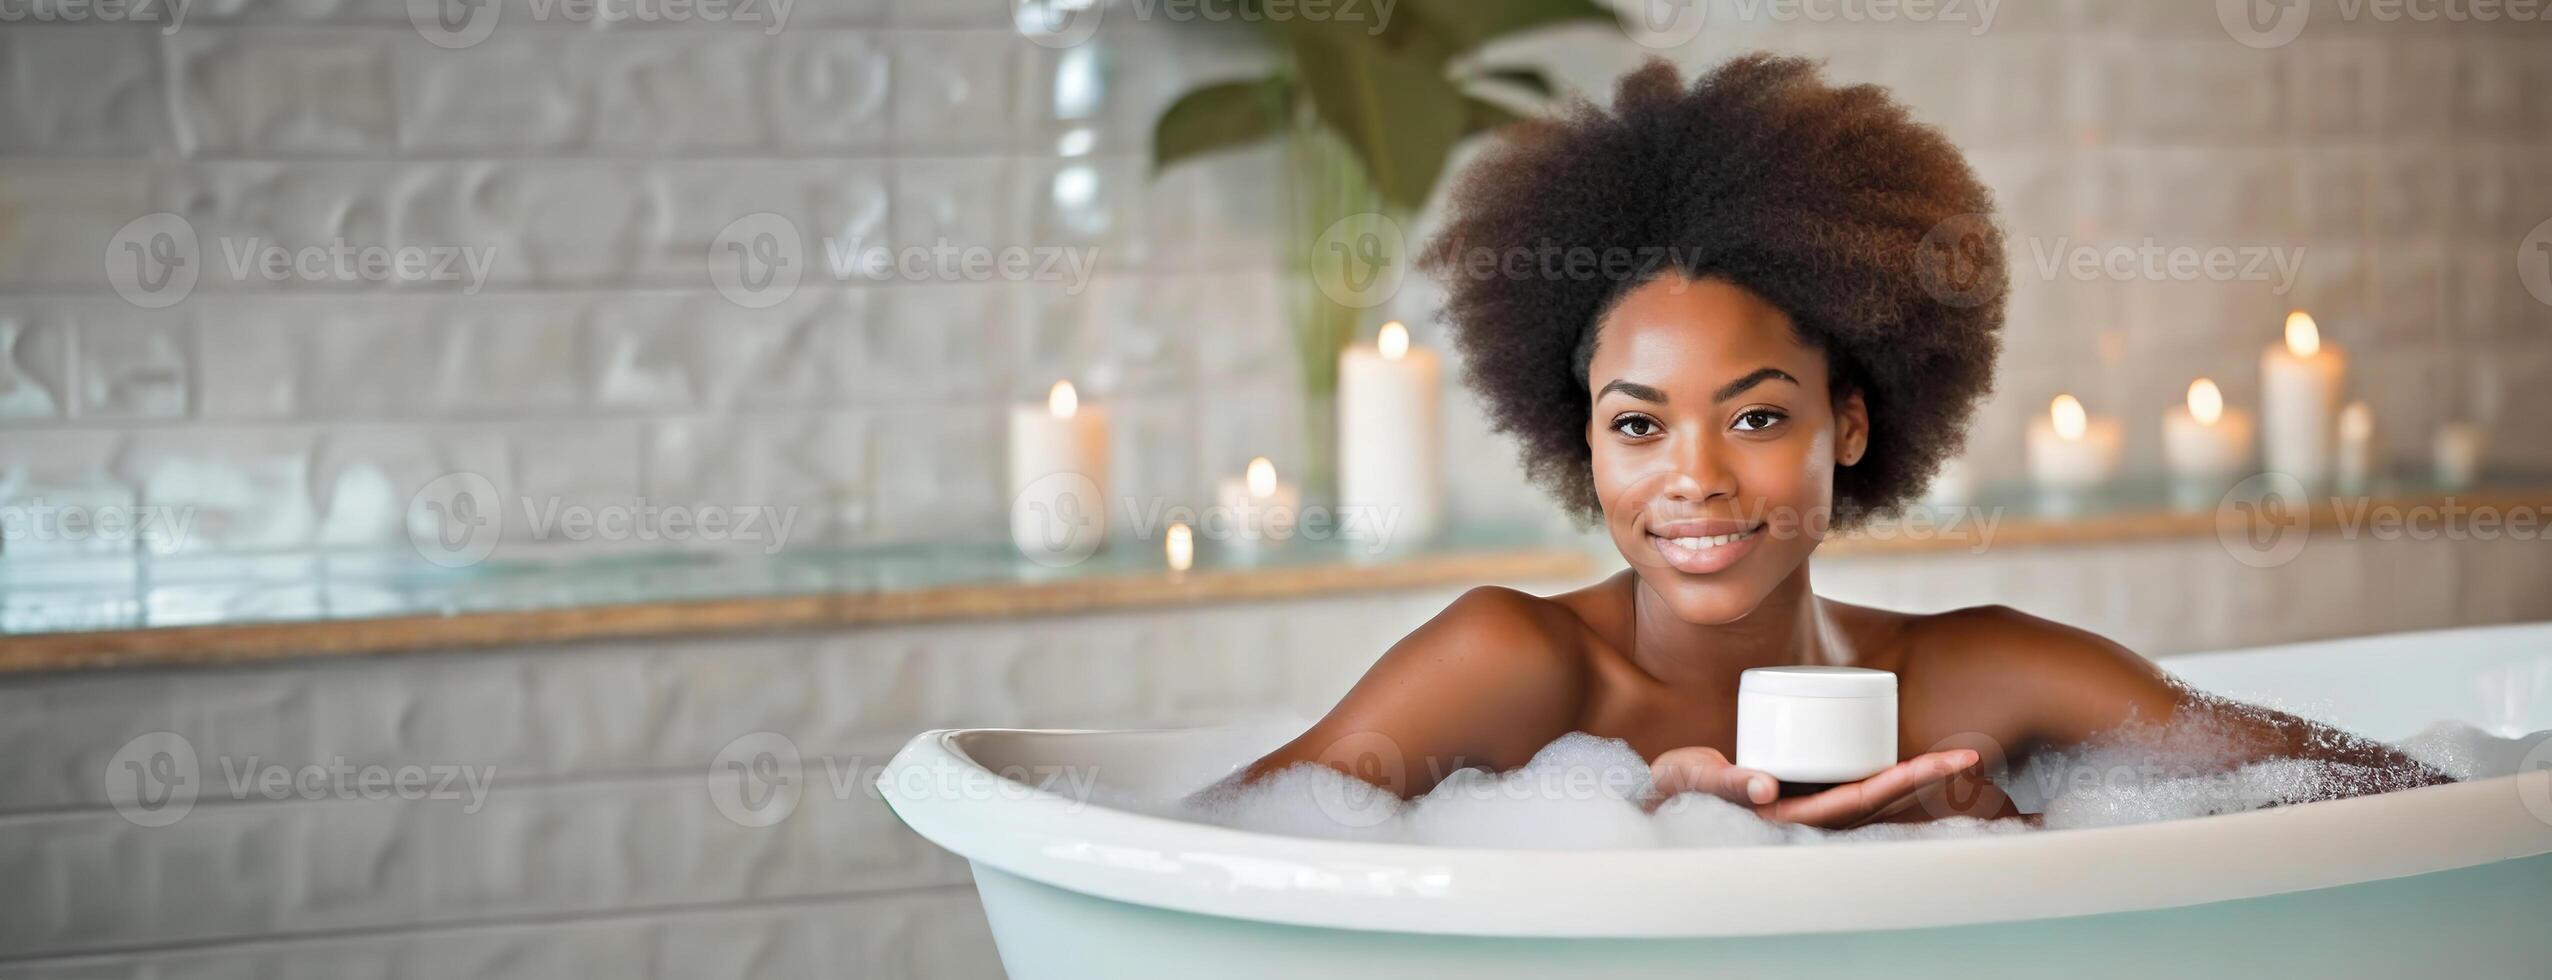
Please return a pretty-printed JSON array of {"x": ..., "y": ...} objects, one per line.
[
  {"x": 2070, "y": 450},
  {"x": 1058, "y": 477},
  {"x": 2356, "y": 463},
  {"x": 2460, "y": 448},
  {"x": 1390, "y": 487},
  {"x": 2206, "y": 445},
  {"x": 1178, "y": 547},
  {"x": 2299, "y": 396},
  {"x": 1257, "y": 507}
]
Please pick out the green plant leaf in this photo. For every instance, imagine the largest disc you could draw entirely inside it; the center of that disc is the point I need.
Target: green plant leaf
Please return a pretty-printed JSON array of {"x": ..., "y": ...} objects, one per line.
[
  {"x": 1219, "y": 117},
  {"x": 1468, "y": 24},
  {"x": 1399, "y": 113}
]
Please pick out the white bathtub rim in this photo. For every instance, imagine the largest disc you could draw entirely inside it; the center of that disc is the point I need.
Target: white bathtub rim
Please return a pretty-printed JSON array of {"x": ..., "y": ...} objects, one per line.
[{"x": 1677, "y": 892}]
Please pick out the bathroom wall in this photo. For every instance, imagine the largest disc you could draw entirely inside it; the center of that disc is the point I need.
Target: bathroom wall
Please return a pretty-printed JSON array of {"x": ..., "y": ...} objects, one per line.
[{"x": 2396, "y": 166}]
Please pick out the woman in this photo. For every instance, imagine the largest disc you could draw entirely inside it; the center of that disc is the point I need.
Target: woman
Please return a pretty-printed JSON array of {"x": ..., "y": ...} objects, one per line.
[{"x": 1723, "y": 319}]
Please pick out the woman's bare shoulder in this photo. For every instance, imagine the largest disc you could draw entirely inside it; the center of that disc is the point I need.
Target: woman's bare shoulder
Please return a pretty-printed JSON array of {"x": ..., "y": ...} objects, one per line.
[
  {"x": 1488, "y": 681},
  {"x": 2048, "y": 678},
  {"x": 1495, "y": 626}
]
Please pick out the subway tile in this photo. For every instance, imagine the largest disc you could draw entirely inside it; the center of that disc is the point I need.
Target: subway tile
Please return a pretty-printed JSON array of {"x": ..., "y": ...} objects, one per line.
[
  {"x": 936, "y": 475},
  {"x": 246, "y": 489},
  {"x": 810, "y": 467},
  {"x": 35, "y": 359},
  {"x": 265, "y": 92},
  {"x": 957, "y": 201},
  {"x": 830, "y": 89},
  {"x": 115, "y": 106},
  {"x": 955, "y": 89},
  {"x": 77, "y": 209}
]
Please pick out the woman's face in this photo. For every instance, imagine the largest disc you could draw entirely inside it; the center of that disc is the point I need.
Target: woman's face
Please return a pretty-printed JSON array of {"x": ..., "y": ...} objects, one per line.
[{"x": 1715, "y": 439}]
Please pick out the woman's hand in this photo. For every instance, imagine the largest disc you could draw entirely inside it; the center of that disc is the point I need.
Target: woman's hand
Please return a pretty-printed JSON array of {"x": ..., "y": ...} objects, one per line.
[{"x": 1699, "y": 769}]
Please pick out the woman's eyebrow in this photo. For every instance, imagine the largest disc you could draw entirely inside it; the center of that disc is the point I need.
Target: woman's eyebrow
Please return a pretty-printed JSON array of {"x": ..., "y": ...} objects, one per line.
[
  {"x": 1757, "y": 376},
  {"x": 1633, "y": 389}
]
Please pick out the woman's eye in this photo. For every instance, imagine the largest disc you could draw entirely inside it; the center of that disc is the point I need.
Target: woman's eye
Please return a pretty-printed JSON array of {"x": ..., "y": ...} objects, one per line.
[
  {"x": 1635, "y": 426},
  {"x": 1758, "y": 419}
]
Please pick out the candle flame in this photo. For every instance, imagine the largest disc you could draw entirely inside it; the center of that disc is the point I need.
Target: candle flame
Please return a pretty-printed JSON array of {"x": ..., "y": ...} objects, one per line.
[
  {"x": 1393, "y": 340},
  {"x": 1262, "y": 478},
  {"x": 1179, "y": 546},
  {"x": 2206, "y": 401},
  {"x": 2303, "y": 337},
  {"x": 2356, "y": 422},
  {"x": 2071, "y": 421},
  {"x": 1062, "y": 400}
]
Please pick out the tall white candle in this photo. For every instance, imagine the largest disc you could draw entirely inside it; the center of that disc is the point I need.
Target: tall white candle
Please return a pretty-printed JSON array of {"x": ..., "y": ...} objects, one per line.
[
  {"x": 1390, "y": 486},
  {"x": 2206, "y": 444},
  {"x": 2356, "y": 453},
  {"x": 1257, "y": 508},
  {"x": 2299, "y": 399},
  {"x": 1058, "y": 477},
  {"x": 2071, "y": 450}
]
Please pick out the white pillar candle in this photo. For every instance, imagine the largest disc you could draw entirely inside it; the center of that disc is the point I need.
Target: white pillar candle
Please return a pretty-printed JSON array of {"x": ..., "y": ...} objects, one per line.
[
  {"x": 1258, "y": 508},
  {"x": 2356, "y": 454},
  {"x": 2071, "y": 450},
  {"x": 2460, "y": 448},
  {"x": 1058, "y": 477},
  {"x": 2299, "y": 399},
  {"x": 2206, "y": 444},
  {"x": 1178, "y": 547},
  {"x": 1390, "y": 486}
]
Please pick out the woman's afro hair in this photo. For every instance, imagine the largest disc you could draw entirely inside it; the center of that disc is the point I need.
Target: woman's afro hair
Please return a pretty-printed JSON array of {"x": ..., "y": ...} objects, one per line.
[{"x": 1864, "y": 226}]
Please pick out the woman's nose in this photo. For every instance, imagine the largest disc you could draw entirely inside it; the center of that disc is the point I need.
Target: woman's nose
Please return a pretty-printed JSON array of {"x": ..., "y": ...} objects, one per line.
[{"x": 1701, "y": 472}]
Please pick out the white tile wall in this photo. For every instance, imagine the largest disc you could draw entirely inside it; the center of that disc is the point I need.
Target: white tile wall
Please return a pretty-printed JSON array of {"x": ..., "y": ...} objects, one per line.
[{"x": 2404, "y": 161}]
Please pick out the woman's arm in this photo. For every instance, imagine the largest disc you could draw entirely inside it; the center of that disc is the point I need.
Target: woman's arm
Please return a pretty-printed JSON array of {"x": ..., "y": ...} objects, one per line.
[
  {"x": 2070, "y": 687},
  {"x": 1487, "y": 683}
]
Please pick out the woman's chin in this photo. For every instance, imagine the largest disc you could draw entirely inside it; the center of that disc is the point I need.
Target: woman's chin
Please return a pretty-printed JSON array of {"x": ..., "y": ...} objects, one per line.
[{"x": 1703, "y": 603}]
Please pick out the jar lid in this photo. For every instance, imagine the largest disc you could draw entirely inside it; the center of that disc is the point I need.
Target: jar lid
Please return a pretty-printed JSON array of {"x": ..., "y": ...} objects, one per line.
[{"x": 1819, "y": 682}]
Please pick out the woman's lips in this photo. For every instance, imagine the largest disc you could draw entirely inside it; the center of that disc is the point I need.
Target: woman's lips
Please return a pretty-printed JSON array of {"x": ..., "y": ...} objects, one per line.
[{"x": 1702, "y": 554}]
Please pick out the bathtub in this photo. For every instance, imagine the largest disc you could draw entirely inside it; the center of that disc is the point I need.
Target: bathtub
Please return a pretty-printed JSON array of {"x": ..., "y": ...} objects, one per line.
[{"x": 2451, "y": 880}]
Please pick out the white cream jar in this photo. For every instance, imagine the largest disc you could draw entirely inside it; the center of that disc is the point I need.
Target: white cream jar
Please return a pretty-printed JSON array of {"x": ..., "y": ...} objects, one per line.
[{"x": 1816, "y": 724}]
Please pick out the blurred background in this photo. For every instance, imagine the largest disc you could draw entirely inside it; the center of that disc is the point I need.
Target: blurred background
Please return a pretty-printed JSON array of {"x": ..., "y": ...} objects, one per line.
[{"x": 559, "y": 401}]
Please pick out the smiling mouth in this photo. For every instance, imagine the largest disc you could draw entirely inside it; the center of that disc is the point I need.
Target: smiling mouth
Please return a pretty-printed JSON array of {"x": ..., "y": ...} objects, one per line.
[{"x": 1703, "y": 554}]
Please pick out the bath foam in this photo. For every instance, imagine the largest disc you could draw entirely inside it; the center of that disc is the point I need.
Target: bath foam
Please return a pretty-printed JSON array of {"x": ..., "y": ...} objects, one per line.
[{"x": 1582, "y": 792}]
